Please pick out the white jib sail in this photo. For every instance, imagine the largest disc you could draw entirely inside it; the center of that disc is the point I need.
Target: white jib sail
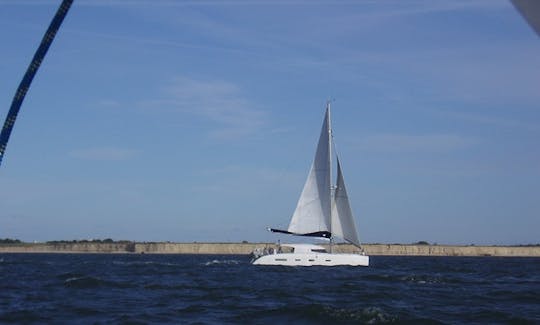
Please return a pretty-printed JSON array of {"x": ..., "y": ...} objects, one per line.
[
  {"x": 342, "y": 218},
  {"x": 313, "y": 210}
]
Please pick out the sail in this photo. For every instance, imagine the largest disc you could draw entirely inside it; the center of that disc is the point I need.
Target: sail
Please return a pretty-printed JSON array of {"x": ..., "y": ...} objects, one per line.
[
  {"x": 342, "y": 218},
  {"x": 313, "y": 210}
]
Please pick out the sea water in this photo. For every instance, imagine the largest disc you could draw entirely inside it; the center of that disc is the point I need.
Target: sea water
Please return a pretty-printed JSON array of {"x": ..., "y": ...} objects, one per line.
[{"x": 225, "y": 289}]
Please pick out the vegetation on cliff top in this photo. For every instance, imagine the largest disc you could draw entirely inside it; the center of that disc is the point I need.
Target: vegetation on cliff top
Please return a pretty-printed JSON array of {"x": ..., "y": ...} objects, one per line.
[
  {"x": 9, "y": 241},
  {"x": 93, "y": 241}
]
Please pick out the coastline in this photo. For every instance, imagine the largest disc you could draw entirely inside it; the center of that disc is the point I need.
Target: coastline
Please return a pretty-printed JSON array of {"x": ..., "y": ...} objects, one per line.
[{"x": 247, "y": 248}]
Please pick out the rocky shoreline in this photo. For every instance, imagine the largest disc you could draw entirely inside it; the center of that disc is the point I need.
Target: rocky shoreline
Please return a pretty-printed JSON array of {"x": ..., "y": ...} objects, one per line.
[{"x": 247, "y": 248}]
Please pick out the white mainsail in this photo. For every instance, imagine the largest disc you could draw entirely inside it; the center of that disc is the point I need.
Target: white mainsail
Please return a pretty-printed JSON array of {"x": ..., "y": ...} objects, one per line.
[
  {"x": 342, "y": 218},
  {"x": 317, "y": 209},
  {"x": 313, "y": 210}
]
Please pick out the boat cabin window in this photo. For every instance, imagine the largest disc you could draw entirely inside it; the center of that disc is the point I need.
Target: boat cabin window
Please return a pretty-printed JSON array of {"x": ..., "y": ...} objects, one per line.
[{"x": 308, "y": 249}]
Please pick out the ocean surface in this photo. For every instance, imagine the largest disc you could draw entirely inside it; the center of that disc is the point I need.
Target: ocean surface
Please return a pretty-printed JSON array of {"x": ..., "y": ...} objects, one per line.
[{"x": 224, "y": 289}]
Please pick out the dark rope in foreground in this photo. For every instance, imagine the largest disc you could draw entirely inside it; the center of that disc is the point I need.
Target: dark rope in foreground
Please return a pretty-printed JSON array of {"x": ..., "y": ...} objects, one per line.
[{"x": 30, "y": 73}]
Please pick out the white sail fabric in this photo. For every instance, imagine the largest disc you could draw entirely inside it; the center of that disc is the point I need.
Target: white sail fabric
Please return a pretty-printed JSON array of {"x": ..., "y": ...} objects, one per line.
[
  {"x": 313, "y": 210},
  {"x": 342, "y": 218}
]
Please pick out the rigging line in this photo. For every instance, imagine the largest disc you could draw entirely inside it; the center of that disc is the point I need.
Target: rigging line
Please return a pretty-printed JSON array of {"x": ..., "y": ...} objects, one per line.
[{"x": 31, "y": 71}]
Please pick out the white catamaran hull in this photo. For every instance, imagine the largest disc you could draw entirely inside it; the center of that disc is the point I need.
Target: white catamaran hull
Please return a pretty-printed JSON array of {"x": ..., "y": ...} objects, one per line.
[
  {"x": 323, "y": 211},
  {"x": 312, "y": 259}
]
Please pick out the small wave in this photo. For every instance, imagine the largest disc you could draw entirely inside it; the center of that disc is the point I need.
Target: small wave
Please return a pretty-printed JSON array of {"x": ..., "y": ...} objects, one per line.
[
  {"x": 128, "y": 319},
  {"x": 227, "y": 262},
  {"x": 367, "y": 315},
  {"x": 421, "y": 279},
  {"x": 83, "y": 310},
  {"x": 372, "y": 315},
  {"x": 529, "y": 296},
  {"x": 411, "y": 278},
  {"x": 175, "y": 287},
  {"x": 320, "y": 314},
  {"x": 191, "y": 309},
  {"x": 379, "y": 277},
  {"x": 139, "y": 263},
  {"x": 82, "y": 282},
  {"x": 89, "y": 282},
  {"x": 23, "y": 316},
  {"x": 69, "y": 275}
]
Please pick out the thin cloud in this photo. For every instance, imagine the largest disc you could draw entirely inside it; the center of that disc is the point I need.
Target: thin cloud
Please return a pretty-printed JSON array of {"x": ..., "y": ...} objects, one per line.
[
  {"x": 104, "y": 154},
  {"x": 400, "y": 8},
  {"x": 400, "y": 143},
  {"x": 224, "y": 178},
  {"x": 498, "y": 73},
  {"x": 488, "y": 119},
  {"x": 218, "y": 101}
]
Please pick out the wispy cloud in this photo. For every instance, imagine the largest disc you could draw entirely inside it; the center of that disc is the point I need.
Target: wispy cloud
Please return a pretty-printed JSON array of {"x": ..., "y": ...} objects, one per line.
[
  {"x": 104, "y": 153},
  {"x": 401, "y": 8},
  {"x": 488, "y": 119},
  {"x": 495, "y": 74},
  {"x": 480, "y": 75},
  {"x": 219, "y": 101},
  {"x": 434, "y": 143},
  {"x": 221, "y": 180}
]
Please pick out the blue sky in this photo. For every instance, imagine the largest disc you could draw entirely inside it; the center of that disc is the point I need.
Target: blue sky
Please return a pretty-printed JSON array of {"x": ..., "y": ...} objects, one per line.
[{"x": 198, "y": 120}]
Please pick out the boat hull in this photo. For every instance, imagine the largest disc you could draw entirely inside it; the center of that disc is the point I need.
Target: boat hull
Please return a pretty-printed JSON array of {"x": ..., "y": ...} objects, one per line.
[{"x": 312, "y": 259}]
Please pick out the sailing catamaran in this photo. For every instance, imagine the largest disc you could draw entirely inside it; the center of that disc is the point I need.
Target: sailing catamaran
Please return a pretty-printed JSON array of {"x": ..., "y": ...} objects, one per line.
[{"x": 323, "y": 211}]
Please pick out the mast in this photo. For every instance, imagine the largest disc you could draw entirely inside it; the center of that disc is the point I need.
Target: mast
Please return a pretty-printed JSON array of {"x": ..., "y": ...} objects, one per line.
[{"x": 330, "y": 169}]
